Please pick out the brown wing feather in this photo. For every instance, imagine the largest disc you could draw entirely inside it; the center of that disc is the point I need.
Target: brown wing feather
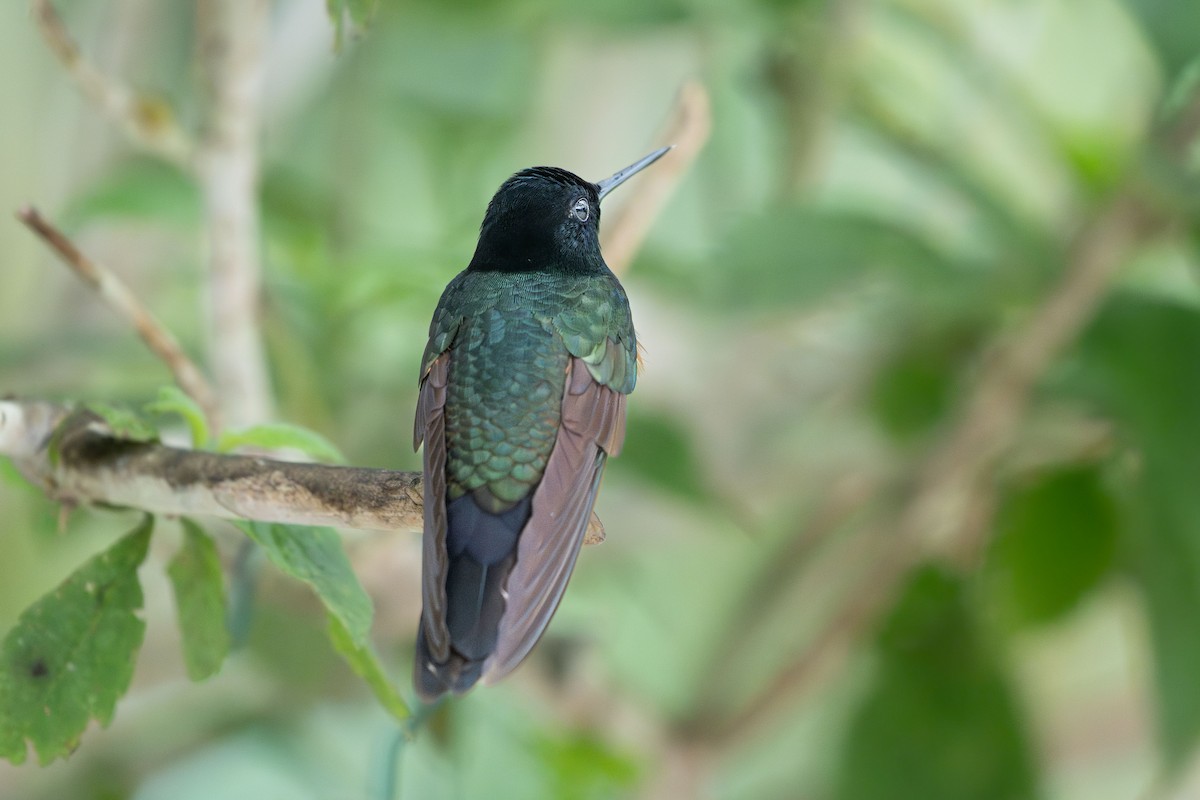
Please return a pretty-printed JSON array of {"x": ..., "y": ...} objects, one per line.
[
  {"x": 593, "y": 426},
  {"x": 430, "y": 426}
]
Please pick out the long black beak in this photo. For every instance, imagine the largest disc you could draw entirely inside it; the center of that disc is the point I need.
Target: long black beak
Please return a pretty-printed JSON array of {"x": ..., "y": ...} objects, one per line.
[{"x": 608, "y": 184}]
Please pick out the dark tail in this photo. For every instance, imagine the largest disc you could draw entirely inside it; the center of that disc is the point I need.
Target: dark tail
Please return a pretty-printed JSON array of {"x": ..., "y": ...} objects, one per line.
[
  {"x": 481, "y": 549},
  {"x": 432, "y": 679}
]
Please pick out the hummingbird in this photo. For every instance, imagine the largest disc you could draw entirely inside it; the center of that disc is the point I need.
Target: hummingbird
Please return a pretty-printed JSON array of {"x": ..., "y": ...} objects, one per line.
[{"x": 523, "y": 384}]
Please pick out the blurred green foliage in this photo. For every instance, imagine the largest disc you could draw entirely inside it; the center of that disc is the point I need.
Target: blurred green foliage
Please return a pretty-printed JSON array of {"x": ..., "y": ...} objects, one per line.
[
  {"x": 71, "y": 655},
  {"x": 315, "y": 556},
  {"x": 365, "y": 662},
  {"x": 890, "y": 192},
  {"x": 1139, "y": 362},
  {"x": 172, "y": 400},
  {"x": 661, "y": 454},
  {"x": 137, "y": 189},
  {"x": 1039, "y": 578},
  {"x": 937, "y": 683},
  {"x": 198, "y": 581},
  {"x": 281, "y": 436}
]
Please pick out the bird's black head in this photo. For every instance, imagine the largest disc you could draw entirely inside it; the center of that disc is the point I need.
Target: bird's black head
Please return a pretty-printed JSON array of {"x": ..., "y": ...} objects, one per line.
[
  {"x": 547, "y": 219},
  {"x": 541, "y": 218}
]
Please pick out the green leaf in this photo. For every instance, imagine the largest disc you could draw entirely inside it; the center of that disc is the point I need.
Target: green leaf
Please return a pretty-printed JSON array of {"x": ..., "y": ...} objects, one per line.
[
  {"x": 362, "y": 659},
  {"x": 940, "y": 720},
  {"x": 911, "y": 395},
  {"x": 1168, "y": 573},
  {"x": 483, "y": 73},
  {"x": 1055, "y": 540},
  {"x": 800, "y": 254},
  {"x": 1139, "y": 363},
  {"x": 337, "y": 15},
  {"x": 143, "y": 189},
  {"x": 124, "y": 424},
  {"x": 360, "y": 12},
  {"x": 277, "y": 435},
  {"x": 1017, "y": 242},
  {"x": 197, "y": 579},
  {"x": 914, "y": 389},
  {"x": 71, "y": 654},
  {"x": 1171, "y": 29},
  {"x": 1182, "y": 90},
  {"x": 660, "y": 453},
  {"x": 315, "y": 556},
  {"x": 172, "y": 400},
  {"x": 582, "y": 765},
  {"x": 10, "y": 475}
]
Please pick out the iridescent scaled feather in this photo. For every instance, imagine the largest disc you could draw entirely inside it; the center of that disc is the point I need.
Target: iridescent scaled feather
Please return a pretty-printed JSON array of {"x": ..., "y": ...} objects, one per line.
[{"x": 512, "y": 335}]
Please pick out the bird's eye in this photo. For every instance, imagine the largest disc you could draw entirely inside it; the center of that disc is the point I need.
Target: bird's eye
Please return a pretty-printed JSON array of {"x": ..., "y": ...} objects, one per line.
[{"x": 581, "y": 210}]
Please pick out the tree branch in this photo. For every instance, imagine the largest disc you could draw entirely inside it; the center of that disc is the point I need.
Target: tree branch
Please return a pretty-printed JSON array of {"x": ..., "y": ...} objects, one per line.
[
  {"x": 75, "y": 459},
  {"x": 956, "y": 473},
  {"x": 943, "y": 515},
  {"x": 230, "y": 39},
  {"x": 119, "y": 298},
  {"x": 147, "y": 122}
]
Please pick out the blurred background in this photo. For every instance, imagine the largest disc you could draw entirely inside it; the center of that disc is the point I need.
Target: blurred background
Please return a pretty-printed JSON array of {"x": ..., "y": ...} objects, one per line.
[{"x": 910, "y": 501}]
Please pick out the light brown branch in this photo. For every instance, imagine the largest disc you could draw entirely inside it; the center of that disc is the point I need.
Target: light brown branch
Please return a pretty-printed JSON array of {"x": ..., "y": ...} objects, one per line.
[
  {"x": 955, "y": 479},
  {"x": 75, "y": 459},
  {"x": 120, "y": 299},
  {"x": 687, "y": 128},
  {"x": 231, "y": 35},
  {"x": 957, "y": 472},
  {"x": 147, "y": 122}
]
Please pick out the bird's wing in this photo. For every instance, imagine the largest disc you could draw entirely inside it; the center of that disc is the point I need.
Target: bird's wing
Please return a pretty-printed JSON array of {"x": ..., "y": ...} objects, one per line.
[
  {"x": 442, "y": 331},
  {"x": 593, "y": 426},
  {"x": 430, "y": 426},
  {"x": 598, "y": 329}
]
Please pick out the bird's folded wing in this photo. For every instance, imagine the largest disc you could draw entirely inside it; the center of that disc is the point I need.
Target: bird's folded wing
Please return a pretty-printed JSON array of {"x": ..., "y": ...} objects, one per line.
[
  {"x": 430, "y": 426},
  {"x": 593, "y": 425}
]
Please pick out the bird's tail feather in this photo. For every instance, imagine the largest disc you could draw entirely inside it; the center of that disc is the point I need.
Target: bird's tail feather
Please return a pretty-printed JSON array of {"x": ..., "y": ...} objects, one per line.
[
  {"x": 432, "y": 679},
  {"x": 481, "y": 547}
]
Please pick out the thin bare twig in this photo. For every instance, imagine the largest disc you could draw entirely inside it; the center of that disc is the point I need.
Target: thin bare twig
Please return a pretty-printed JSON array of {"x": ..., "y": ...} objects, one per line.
[
  {"x": 147, "y": 122},
  {"x": 687, "y": 128},
  {"x": 119, "y": 298},
  {"x": 230, "y": 39}
]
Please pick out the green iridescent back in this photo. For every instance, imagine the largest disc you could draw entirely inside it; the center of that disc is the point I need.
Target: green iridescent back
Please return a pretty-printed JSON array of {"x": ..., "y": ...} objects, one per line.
[{"x": 511, "y": 335}]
